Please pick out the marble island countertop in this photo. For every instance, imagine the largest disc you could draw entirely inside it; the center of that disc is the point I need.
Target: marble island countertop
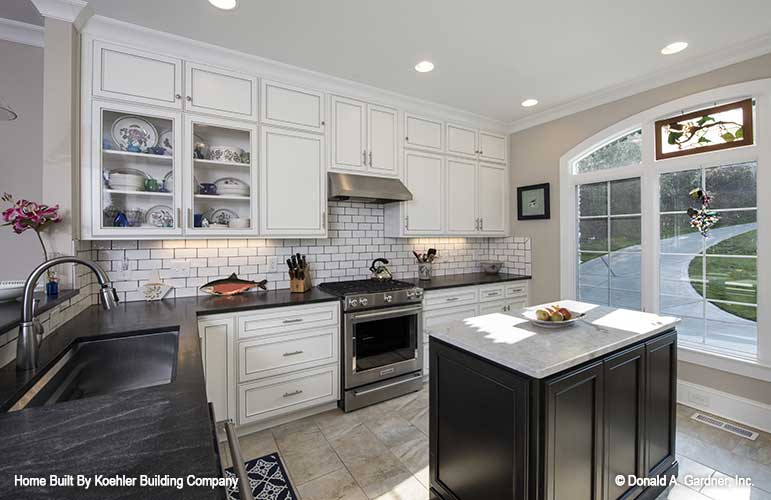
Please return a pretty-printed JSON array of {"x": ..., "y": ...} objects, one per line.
[{"x": 513, "y": 342}]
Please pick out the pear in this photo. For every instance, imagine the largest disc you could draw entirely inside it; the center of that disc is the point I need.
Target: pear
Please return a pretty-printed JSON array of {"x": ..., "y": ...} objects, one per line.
[
  {"x": 557, "y": 316},
  {"x": 542, "y": 315}
]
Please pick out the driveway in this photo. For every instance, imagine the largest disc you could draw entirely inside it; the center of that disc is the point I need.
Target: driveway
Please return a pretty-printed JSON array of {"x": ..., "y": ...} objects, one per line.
[{"x": 678, "y": 296}]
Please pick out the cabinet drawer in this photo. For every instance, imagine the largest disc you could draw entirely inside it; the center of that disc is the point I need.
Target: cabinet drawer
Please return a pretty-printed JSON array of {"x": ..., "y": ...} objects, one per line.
[
  {"x": 265, "y": 357},
  {"x": 518, "y": 290},
  {"x": 492, "y": 292},
  {"x": 455, "y": 297},
  {"x": 275, "y": 396},
  {"x": 437, "y": 320},
  {"x": 287, "y": 319}
]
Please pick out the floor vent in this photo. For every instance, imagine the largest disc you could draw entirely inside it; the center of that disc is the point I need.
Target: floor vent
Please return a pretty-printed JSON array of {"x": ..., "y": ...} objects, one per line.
[{"x": 733, "y": 429}]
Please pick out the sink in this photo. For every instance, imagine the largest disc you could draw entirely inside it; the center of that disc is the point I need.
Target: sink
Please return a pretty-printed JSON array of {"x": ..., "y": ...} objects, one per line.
[{"x": 97, "y": 367}]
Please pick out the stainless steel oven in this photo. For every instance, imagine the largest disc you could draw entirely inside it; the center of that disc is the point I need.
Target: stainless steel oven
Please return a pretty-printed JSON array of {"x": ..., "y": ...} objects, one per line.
[{"x": 382, "y": 344}]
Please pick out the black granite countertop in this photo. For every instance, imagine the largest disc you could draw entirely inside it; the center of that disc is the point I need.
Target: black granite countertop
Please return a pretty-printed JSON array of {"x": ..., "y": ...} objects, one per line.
[
  {"x": 164, "y": 430},
  {"x": 469, "y": 279},
  {"x": 10, "y": 312}
]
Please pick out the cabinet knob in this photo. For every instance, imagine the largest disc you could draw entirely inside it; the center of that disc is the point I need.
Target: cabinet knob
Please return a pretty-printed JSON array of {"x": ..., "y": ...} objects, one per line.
[
  {"x": 177, "y": 96},
  {"x": 189, "y": 99},
  {"x": 407, "y": 139},
  {"x": 323, "y": 122}
]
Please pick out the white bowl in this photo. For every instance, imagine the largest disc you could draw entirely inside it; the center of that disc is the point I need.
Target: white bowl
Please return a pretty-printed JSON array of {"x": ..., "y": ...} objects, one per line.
[
  {"x": 11, "y": 290},
  {"x": 225, "y": 153},
  {"x": 239, "y": 223}
]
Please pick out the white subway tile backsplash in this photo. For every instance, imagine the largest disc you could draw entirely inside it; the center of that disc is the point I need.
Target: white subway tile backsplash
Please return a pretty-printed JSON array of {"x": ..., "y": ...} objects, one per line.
[{"x": 354, "y": 239}]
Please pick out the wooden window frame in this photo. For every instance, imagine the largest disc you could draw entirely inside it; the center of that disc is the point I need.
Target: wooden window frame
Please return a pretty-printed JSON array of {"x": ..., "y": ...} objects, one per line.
[{"x": 747, "y": 126}]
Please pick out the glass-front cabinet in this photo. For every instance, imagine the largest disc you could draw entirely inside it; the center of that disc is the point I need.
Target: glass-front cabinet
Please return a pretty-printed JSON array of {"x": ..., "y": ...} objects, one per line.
[
  {"x": 220, "y": 177},
  {"x": 133, "y": 170}
]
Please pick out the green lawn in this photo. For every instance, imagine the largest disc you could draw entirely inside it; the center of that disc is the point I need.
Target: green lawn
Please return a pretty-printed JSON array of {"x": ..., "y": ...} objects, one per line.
[{"x": 723, "y": 274}]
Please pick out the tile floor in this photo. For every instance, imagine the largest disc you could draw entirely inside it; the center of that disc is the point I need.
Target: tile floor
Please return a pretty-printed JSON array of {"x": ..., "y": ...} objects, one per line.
[{"x": 381, "y": 452}]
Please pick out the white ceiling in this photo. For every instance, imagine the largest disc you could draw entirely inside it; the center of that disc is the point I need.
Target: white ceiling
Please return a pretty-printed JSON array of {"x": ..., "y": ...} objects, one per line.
[
  {"x": 20, "y": 10},
  {"x": 489, "y": 54}
]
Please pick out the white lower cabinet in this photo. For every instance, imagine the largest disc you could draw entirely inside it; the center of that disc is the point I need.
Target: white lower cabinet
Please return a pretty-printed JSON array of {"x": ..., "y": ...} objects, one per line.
[
  {"x": 276, "y": 396},
  {"x": 441, "y": 308},
  {"x": 266, "y": 364},
  {"x": 218, "y": 343}
]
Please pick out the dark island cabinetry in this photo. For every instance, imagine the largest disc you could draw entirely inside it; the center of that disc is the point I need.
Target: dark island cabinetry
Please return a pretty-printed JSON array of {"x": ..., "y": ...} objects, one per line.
[{"x": 498, "y": 434}]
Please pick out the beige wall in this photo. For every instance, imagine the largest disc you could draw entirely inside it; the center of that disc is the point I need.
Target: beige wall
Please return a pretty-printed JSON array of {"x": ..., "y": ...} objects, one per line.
[
  {"x": 535, "y": 157},
  {"x": 21, "y": 158}
]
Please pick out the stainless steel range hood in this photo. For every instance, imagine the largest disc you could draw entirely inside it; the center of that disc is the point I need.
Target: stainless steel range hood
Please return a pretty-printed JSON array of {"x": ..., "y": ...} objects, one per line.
[{"x": 352, "y": 187}]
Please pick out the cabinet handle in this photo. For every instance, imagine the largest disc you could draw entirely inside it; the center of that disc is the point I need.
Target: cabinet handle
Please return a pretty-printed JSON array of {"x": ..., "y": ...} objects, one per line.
[
  {"x": 293, "y": 393},
  {"x": 370, "y": 158},
  {"x": 451, "y": 299},
  {"x": 177, "y": 96},
  {"x": 324, "y": 218},
  {"x": 406, "y": 222},
  {"x": 481, "y": 223},
  {"x": 189, "y": 99},
  {"x": 407, "y": 139},
  {"x": 323, "y": 123},
  {"x": 293, "y": 353},
  {"x": 364, "y": 156},
  {"x": 189, "y": 214},
  {"x": 493, "y": 294},
  {"x": 179, "y": 217},
  {"x": 296, "y": 320},
  {"x": 476, "y": 224}
]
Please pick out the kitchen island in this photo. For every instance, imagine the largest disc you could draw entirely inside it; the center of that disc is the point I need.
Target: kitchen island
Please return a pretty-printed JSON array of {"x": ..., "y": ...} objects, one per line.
[{"x": 523, "y": 412}]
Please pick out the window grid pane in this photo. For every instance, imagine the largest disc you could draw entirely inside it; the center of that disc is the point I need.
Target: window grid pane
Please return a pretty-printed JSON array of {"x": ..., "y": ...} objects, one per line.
[{"x": 711, "y": 282}]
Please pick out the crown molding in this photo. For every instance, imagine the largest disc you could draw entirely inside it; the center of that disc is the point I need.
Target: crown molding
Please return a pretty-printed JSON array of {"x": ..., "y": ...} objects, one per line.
[
  {"x": 63, "y": 10},
  {"x": 143, "y": 38},
  {"x": 18, "y": 32},
  {"x": 718, "y": 59}
]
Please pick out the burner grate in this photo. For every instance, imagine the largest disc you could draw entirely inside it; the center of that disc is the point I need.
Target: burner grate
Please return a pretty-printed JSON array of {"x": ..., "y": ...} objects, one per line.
[{"x": 364, "y": 286}]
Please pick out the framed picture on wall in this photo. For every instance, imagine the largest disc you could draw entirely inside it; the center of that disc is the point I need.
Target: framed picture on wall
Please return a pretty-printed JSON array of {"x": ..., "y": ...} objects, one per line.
[{"x": 533, "y": 202}]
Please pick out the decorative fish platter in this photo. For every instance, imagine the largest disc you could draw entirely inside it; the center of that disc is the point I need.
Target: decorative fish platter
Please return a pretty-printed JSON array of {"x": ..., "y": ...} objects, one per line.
[{"x": 232, "y": 285}]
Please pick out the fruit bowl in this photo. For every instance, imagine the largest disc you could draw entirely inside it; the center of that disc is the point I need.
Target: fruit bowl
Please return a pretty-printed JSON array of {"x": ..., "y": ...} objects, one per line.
[{"x": 553, "y": 317}]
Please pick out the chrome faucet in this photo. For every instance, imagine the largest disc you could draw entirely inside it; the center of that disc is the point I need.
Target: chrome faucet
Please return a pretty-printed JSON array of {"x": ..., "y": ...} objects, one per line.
[{"x": 30, "y": 330}]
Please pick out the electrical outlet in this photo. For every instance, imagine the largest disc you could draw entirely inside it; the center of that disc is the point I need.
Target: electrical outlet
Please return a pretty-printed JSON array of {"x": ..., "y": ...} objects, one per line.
[
  {"x": 272, "y": 264},
  {"x": 180, "y": 266}
]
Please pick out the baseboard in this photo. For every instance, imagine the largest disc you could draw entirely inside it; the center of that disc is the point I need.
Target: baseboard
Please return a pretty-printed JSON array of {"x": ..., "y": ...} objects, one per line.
[{"x": 745, "y": 411}]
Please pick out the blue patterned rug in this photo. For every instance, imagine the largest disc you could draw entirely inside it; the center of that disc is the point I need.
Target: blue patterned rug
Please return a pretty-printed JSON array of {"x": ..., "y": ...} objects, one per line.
[{"x": 268, "y": 479}]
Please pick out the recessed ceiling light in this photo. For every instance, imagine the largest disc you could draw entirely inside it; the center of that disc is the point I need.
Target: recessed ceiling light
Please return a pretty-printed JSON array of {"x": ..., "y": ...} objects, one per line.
[
  {"x": 674, "y": 48},
  {"x": 424, "y": 66},
  {"x": 529, "y": 102},
  {"x": 224, "y": 4}
]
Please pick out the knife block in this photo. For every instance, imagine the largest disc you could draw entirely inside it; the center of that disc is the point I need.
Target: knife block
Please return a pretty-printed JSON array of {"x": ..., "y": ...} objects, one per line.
[{"x": 301, "y": 286}]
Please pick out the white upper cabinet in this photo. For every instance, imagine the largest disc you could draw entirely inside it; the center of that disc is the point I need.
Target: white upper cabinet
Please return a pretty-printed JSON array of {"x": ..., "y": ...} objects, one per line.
[
  {"x": 423, "y": 133},
  {"x": 364, "y": 137},
  {"x": 382, "y": 153},
  {"x": 492, "y": 147},
  {"x": 493, "y": 199},
  {"x": 461, "y": 196},
  {"x": 292, "y": 183},
  {"x": 349, "y": 134},
  {"x": 220, "y": 92},
  {"x": 424, "y": 176},
  {"x": 136, "y": 76},
  {"x": 461, "y": 141},
  {"x": 294, "y": 107}
]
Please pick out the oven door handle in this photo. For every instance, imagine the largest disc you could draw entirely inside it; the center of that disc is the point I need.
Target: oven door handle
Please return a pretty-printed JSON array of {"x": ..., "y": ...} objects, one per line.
[{"x": 389, "y": 313}]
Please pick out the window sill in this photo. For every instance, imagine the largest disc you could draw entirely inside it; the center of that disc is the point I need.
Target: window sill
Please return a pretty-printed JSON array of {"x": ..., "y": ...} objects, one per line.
[{"x": 746, "y": 367}]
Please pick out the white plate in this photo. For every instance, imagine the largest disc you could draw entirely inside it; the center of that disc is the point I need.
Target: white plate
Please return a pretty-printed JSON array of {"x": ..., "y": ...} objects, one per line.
[
  {"x": 530, "y": 316},
  {"x": 231, "y": 185},
  {"x": 220, "y": 216},
  {"x": 126, "y": 127},
  {"x": 156, "y": 215},
  {"x": 166, "y": 140}
]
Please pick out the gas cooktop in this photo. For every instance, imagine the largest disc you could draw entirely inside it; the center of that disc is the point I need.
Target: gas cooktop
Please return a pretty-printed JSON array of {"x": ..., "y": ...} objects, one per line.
[{"x": 372, "y": 293}]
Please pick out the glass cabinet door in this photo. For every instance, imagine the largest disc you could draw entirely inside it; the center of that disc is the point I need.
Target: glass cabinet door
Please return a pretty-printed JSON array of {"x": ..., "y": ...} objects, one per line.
[
  {"x": 221, "y": 177},
  {"x": 134, "y": 172}
]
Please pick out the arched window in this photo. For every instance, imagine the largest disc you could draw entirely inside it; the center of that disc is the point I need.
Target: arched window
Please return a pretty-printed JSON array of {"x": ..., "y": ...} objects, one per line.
[{"x": 627, "y": 196}]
